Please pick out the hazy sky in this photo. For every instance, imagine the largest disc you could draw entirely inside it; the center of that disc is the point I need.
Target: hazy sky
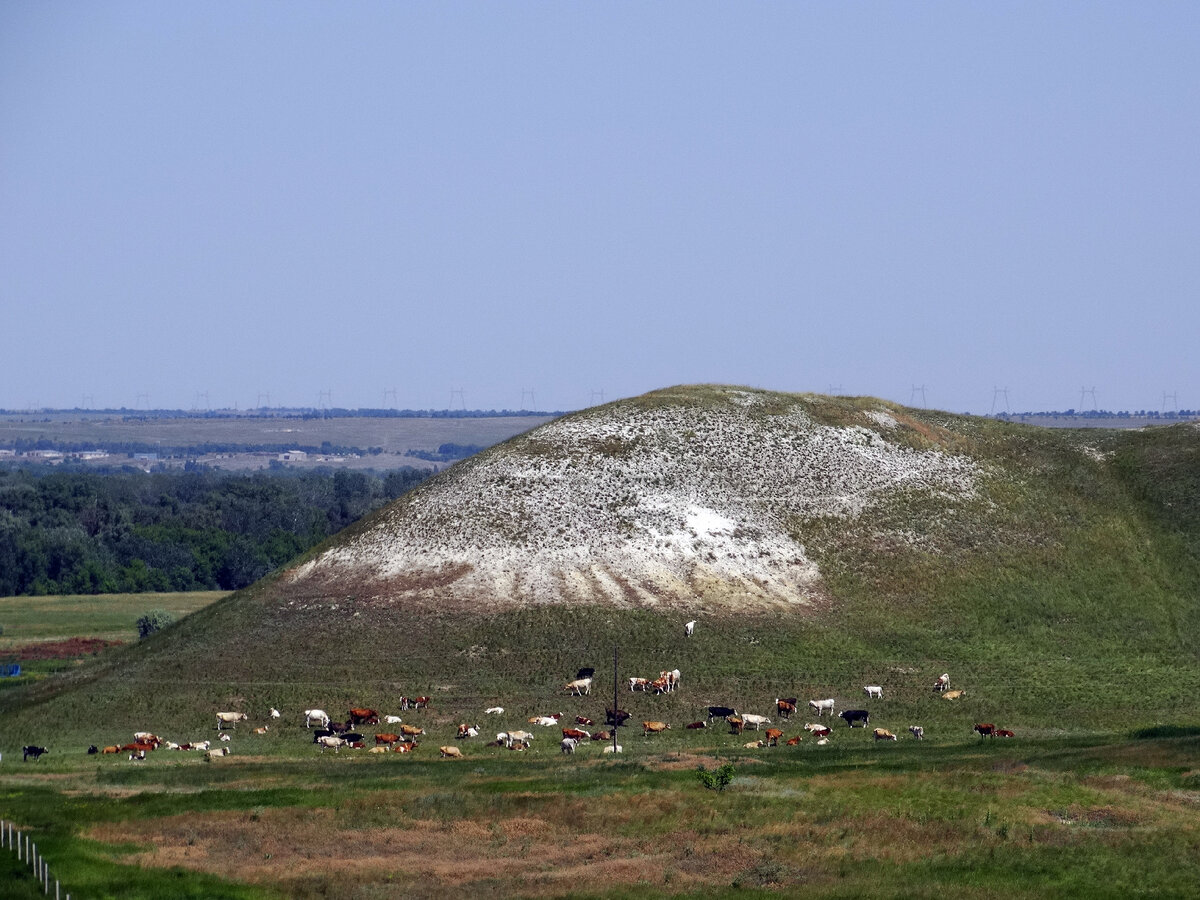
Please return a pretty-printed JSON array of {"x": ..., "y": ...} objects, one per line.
[{"x": 248, "y": 198}]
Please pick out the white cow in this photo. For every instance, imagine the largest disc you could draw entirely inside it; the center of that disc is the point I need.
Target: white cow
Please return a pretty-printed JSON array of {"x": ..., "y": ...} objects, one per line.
[
  {"x": 316, "y": 715},
  {"x": 568, "y": 745},
  {"x": 274, "y": 713},
  {"x": 917, "y": 731},
  {"x": 230, "y": 718},
  {"x": 755, "y": 721},
  {"x": 328, "y": 740},
  {"x": 820, "y": 707},
  {"x": 494, "y": 711},
  {"x": 392, "y": 720},
  {"x": 579, "y": 686},
  {"x": 874, "y": 691},
  {"x": 689, "y": 627},
  {"x": 548, "y": 721}
]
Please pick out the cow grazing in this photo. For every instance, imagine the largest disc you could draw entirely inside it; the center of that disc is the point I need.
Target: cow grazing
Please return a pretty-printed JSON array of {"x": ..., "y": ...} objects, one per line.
[
  {"x": 985, "y": 729},
  {"x": 697, "y": 725},
  {"x": 917, "y": 731},
  {"x": 583, "y": 720},
  {"x": 856, "y": 715},
  {"x": 882, "y": 734},
  {"x": 671, "y": 678},
  {"x": 34, "y": 751},
  {"x": 568, "y": 745},
  {"x": 230, "y": 718},
  {"x": 616, "y": 717},
  {"x": 420, "y": 702},
  {"x": 1004, "y": 732},
  {"x": 688, "y": 628},
  {"x": 953, "y": 695},
  {"x": 523, "y": 737},
  {"x": 754, "y": 721},
  {"x": 387, "y": 739},
  {"x": 579, "y": 686},
  {"x": 736, "y": 724},
  {"x": 942, "y": 683},
  {"x": 794, "y": 741},
  {"x": 450, "y": 753},
  {"x": 773, "y": 735},
  {"x": 649, "y": 728},
  {"x": 494, "y": 711},
  {"x": 360, "y": 715},
  {"x": 411, "y": 731},
  {"x": 720, "y": 712},
  {"x": 873, "y": 692},
  {"x": 586, "y": 672},
  {"x": 639, "y": 684},
  {"x": 785, "y": 707},
  {"x": 316, "y": 715},
  {"x": 820, "y": 707},
  {"x": 328, "y": 741},
  {"x": 575, "y": 734}
]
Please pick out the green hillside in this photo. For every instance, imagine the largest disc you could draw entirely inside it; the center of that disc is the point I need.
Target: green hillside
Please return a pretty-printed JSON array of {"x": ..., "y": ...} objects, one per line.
[{"x": 1060, "y": 587}]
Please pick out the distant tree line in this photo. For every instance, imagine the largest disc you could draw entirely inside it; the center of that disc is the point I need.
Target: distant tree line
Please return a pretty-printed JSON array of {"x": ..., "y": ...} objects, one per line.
[
  {"x": 24, "y": 445},
  {"x": 82, "y": 532},
  {"x": 136, "y": 415},
  {"x": 446, "y": 452}
]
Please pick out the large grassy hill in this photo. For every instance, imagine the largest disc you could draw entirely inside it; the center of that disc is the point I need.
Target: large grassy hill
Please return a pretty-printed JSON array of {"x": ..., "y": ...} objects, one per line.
[{"x": 821, "y": 544}]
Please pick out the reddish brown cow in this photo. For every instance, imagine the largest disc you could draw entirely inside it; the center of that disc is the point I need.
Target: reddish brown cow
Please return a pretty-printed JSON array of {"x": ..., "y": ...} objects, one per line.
[
  {"x": 697, "y": 725},
  {"x": 794, "y": 741},
  {"x": 363, "y": 716},
  {"x": 986, "y": 729},
  {"x": 583, "y": 720},
  {"x": 388, "y": 739},
  {"x": 786, "y": 707},
  {"x": 773, "y": 736},
  {"x": 420, "y": 702},
  {"x": 576, "y": 734},
  {"x": 1004, "y": 732}
]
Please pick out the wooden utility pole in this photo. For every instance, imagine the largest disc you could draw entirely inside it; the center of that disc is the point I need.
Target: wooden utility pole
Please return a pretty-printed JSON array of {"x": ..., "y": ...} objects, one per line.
[{"x": 616, "y": 717}]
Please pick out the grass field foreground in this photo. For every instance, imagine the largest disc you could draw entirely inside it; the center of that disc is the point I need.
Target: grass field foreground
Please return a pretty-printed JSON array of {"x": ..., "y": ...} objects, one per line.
[{"x": 1078, "y": 817}]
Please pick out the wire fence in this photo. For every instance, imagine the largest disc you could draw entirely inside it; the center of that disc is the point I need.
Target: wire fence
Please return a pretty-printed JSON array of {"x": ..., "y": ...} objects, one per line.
[{"x": 27, "y": 852}]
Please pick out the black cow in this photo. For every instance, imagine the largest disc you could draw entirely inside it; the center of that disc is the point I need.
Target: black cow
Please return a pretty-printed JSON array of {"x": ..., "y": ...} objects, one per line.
[
  {"x": 856, "y": 715},
  {"x": 320, "y": 733},
  {"x": 585, "y": 672},
  {"x": 720, "y": 712},
  {"x": 615, "y": 718},
  {"x": 93, "y": 750},
  {"x": 35, "y": 752}
]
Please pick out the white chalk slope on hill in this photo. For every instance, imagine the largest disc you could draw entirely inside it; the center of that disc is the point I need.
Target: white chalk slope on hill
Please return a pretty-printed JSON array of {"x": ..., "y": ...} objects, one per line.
[{"x": 659, "y": 499}]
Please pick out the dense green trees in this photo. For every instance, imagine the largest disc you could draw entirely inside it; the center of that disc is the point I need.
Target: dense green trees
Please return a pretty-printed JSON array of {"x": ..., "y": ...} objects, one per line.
[{"x": 64, "y": 532}]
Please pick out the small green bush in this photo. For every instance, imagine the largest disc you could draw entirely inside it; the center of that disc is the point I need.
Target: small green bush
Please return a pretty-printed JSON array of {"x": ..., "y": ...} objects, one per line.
[
  {"x": 716, "y": 780},
  {"x": 155, "y": 620}
]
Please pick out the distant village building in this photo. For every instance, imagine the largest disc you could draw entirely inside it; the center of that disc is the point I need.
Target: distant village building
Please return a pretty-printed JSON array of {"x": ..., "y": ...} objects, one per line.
[{"x": 293, "y": 456}]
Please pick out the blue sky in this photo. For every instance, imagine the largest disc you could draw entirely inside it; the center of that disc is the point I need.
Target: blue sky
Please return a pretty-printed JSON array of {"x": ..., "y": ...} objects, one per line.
[{"x": 240, "y": 199}]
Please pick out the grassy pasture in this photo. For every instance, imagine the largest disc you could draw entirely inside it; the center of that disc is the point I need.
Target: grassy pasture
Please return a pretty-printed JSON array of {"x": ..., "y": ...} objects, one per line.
[
  {"x": 1086, "y": 816},
  {"x": 107, "y": 616}
]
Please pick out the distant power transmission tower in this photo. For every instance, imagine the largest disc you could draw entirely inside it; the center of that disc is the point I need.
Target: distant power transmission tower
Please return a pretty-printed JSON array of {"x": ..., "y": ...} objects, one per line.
[
  {"x": 1174, "y": 402},
  {"x": 834, "y": 390},
  {"x": 264, "y": 400},
  {"x": 917, "y": 389},
  {"x": 532, "y": 401},
  {"x": 595, "y": 394},
  {"x": 88, "y": 400},
  {"x": 324, "y": 399},
  {"x": 142, "y": 398},
  {"x": 1083, "y": 392},
  {"x": 458, "y": 392},
  {"x": 200, "y": 395},
  {"x": 390, "y": 392},
  {"x": 996, "y": 394}
]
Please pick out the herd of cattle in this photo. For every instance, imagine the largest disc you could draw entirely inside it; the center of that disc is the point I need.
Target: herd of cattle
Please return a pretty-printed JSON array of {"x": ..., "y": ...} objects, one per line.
[{"x": 403, "y": 738}]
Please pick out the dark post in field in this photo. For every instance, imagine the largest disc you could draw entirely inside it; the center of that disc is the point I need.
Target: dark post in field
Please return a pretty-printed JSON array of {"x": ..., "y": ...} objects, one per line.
[{"x": 616, "y": 718}]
